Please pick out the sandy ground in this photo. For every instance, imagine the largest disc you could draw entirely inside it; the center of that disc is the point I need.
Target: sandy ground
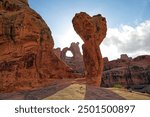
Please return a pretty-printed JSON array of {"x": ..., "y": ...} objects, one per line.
[
  {"x": 79, "y": 92},
  {"x": 130, "y": 95},
  {"x": 74, "y": 90}
]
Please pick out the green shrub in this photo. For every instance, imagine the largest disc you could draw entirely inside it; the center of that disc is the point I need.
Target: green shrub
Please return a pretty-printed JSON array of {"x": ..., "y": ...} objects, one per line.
[{"x": 117, "y": 86}]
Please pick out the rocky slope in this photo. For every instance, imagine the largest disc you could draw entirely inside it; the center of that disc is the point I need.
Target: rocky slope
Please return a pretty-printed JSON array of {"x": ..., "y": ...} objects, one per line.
[{"x": 27, "y": 59}]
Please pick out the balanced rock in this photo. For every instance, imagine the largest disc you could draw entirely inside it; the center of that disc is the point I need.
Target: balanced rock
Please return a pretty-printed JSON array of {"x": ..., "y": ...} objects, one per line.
[
  {"x": 92, "y": 31},
  {"x": 27, "y": 59}
]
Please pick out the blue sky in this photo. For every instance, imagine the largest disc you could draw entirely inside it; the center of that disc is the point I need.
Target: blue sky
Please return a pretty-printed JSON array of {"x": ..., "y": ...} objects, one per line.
[{"x": 121, "y": 15}]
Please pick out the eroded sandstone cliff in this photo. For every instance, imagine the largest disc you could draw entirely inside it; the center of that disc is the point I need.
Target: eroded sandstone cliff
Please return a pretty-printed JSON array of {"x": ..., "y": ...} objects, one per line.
[
  {"x": 27, "y": 59},
  {"x": 127, "y": 71}
]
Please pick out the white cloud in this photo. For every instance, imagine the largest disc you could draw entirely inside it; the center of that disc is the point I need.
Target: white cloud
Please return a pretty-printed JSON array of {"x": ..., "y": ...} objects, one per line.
[{"x": 133, "y": 41}]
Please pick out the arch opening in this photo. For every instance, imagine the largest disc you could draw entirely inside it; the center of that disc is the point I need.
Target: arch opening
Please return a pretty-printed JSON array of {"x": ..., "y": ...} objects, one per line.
[{"x": 69, "y": 54}]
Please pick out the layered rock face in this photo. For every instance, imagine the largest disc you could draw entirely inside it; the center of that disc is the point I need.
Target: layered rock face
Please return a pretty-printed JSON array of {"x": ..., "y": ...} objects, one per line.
[
  {"x": 76, "y": 61},
  {"x": 127, "y": 71},
  {"x": 57, "y": 52},
  {"x": 27, "y": 59},
  {"x": 92, "y": 31}
]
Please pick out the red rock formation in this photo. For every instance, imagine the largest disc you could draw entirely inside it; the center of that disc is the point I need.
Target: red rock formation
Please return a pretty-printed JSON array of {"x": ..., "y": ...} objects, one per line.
[
  {"x": 92, "y": 31},
  {"x": 127, "y": 72},
  {"x": 27, "y": 59},
  {"x": 106, "y": 63},
  {"x": 124, "y": 56},
  {"x": 63, "y": 53},
  {"x": 74, "y": 48},
  {"x": 75, "y": 62},
  {"x": 57, "y": 51}
]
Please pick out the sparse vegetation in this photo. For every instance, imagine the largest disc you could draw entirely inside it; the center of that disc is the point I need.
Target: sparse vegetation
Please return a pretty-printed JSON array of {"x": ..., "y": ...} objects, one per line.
[
  {"x": 130, "y": 95},
  {"x": 117, "y": 86}
]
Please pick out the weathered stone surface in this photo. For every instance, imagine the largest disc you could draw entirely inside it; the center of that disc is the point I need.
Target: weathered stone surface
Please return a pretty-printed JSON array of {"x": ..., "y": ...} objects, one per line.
[
  {"x": 124, "y": 56},
  {"x": 127, "y": 72},
  {"x": 57, "y": 52},
  {"x": 27, "y": 59},
  {"x": 74, "y": 48},
  {"x": 92, "y": 31},
  {"x": 63, "y": 53},
  {"x": 75, "y": 62}
]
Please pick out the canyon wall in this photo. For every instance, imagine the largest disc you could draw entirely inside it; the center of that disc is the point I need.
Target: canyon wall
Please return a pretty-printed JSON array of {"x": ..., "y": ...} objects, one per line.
[
  {"x": 127, "y": 71},
  {"x": 27, "y": 59}
]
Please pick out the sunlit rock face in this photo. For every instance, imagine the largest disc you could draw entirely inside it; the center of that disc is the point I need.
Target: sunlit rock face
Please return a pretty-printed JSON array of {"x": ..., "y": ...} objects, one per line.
[
  {"x": 92, "y": 31},
  {"x": 126, "y": 71},
  {"x": 26, "y": 44}
]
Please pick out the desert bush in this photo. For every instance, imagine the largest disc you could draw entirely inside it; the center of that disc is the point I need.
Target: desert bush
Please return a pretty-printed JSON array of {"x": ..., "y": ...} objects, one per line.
[{"x": 117, "y": 86}]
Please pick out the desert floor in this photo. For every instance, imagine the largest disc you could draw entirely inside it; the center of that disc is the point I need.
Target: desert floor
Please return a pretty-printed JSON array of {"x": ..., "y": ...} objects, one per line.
[{"x": 65, "y": 89}]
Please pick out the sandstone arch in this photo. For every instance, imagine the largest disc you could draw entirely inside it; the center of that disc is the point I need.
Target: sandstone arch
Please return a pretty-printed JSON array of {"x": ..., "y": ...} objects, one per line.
[
  {"x": 63, "y": 53},
  {"x": 76, "y": 61},
  {"x": 74, "y": 49},
  {"x": 69, "y": 54}
]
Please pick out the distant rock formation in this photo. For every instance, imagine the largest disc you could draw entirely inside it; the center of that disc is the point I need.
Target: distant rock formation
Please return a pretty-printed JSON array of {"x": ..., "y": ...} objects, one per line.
[
  {"x": 127, "y": 71},
  {"x": 76, "y": 51},
  {"x": 27, "y": 59},
  {"x": 76, "y": 61},
  {"x": 57, "y": 51},
  {"x": 92, "y": 31},
  {"x": 124, "y": 57}
]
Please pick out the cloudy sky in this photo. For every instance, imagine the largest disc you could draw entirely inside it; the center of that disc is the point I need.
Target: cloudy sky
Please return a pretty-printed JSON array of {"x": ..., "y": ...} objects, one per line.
[{"x": 128, "y": 23}]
